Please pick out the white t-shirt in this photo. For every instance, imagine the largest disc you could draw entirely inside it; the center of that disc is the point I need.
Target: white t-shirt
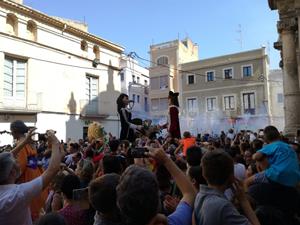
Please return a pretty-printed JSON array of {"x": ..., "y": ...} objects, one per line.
[{"x": 15, "y": 201}]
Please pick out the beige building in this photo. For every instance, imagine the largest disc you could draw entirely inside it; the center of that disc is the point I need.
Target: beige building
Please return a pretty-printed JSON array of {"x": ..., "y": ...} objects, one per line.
[
  {"x": 163, "y": 72},
  {"x": 289, "y": 45},
  {"x": 224, "y": 92},
  {"x": 276, "y": 98},
  {"x": 54, "y": 74}
]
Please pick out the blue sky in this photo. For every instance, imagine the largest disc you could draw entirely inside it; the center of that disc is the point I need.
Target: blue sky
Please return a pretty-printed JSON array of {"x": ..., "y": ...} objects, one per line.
[{"x": 212, "y": 24}]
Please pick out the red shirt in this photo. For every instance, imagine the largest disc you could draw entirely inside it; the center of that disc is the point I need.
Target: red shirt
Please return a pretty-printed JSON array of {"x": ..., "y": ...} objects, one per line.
[{"x": 73, "y": 215}]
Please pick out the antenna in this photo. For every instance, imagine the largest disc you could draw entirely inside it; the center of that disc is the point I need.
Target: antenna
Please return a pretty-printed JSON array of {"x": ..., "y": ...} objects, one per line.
[{"x": 240, "y": 39}]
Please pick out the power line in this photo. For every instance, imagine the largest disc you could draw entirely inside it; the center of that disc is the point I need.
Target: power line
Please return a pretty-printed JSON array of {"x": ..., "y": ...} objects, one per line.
[{"x": 260, "y": 78}]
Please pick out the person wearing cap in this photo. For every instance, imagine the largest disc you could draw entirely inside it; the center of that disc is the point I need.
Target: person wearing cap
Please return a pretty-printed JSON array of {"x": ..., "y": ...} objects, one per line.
[
  {"x": 15, "y": 198},
  {"x": 29, "y": 170}
]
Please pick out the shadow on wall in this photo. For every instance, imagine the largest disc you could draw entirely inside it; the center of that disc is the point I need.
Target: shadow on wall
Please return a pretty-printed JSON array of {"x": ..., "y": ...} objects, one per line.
[
  {"x": 74, "y": 124},
  {"x": 102, "y": 109}
]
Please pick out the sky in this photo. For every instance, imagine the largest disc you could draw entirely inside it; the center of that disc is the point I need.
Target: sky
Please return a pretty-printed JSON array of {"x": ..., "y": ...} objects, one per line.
[{"x": 214, "y": 25}]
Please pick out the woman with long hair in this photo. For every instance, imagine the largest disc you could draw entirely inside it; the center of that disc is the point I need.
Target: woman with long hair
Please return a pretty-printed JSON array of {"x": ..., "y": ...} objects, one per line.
[
  {"x": 127, "y": 127},
  {"x": 173, "y": 124}
]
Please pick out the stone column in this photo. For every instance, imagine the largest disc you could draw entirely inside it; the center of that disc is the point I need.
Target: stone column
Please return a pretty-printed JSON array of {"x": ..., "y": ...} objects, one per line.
[
  {"x": 298, "y": 49},
  {"x": 287, "y": 27}
]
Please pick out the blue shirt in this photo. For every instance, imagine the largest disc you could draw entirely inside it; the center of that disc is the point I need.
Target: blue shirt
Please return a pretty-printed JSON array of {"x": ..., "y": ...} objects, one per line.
[
  {"x": 284, "y": 168},
  {"x": 182, "y": 215}
]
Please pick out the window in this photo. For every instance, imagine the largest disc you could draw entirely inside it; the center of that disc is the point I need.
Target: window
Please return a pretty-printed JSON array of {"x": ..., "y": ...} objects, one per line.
[
  {"x": 91, "y": 88},
  {"x": 145, "y": 82},
  {"x": 159, "y": 83},
  {"x": 12, "y": 24},
  {"x": 14, "y": 77},
  {"x": 228, "y": 73},
  {"x": 229, "y": 103},
  {"x": 210, "y": 76},
  {"x": 162, "y": 61},
  {"x": 96, "y": 52},
  {"x": 155, "y": 104},
  {"x": 192, "y": 104},
  {"x": 84, "y": 46},
  {"x": 133, "y": 79},
  {"x": 191, "y": 79},
  {"x": 133, "y": 97},
  {"x": 280, "y": 98},
  {"x": 164, "y": 81},
  {"x": 32, "y": 30},
  {"x": 249, "y": 103},
  {"x": 122, "y": 76},
  {"x": 211, "y": 104},
  {"x": 154, "y": 83},
  {"x": 163, "y": 104},
  {"x": 146, "y": 108},
  {"x": 138, "y": 80},
  {"x": 247, "y": 71},
  {"x": 159, "y": 104},
  {"x": 138, "y": 99}
]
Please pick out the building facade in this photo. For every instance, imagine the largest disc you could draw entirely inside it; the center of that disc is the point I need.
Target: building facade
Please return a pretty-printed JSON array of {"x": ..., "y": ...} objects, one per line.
[
  {"x": 225, "y": 92},
  {"x": 54, "y": 75},
  {"x": 163, "y": 72},
  {"x": 289, "y": 45},
  {"x": 135, "y": 83},
  {"x": 276, "y": 98}
]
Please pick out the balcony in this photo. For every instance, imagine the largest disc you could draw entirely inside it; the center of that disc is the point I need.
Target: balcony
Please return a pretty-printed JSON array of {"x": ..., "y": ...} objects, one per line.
[{"x": 31, "y": 104}]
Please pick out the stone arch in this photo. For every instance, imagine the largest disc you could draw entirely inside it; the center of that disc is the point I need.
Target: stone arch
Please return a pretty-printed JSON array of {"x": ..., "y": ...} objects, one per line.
[
  {"x": 84, "y": 45},
  {"x": 32, "y": 30},
  {"x": 96, "y": 51},
  {"x": 163, "y": 60},
  {"x": 12, "y": 24}
]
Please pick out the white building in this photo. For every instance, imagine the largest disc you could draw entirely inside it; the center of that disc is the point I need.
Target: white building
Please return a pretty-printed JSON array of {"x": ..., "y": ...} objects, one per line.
[
  {"x": 135, "y": 83},
  {"x": 276, "y": 98},
  {"x": 47, "y": 76}
]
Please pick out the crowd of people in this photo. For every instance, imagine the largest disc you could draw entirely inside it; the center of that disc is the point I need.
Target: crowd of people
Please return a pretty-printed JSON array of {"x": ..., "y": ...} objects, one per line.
[
  {"x": 234, "y": 178},
  {"x": 145, "y": 179}
]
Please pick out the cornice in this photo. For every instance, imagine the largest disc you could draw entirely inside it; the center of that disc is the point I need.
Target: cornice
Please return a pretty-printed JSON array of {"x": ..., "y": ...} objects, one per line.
[{"x": 60, "y": 25}]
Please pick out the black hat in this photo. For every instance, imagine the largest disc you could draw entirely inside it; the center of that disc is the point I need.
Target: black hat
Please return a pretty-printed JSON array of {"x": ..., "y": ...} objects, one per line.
[{"x": 172, "y": 94}]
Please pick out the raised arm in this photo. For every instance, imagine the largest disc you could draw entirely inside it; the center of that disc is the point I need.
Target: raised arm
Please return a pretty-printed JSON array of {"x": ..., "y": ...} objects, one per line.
[
  {"x": 56, "y": 157},
  {"x": 23, "y": 142},
  {"x": 182, "y": 181}
]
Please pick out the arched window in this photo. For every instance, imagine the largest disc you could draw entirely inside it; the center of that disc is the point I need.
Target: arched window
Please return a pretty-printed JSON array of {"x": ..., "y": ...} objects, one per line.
[
  {"x": 12, "y": 24},
  {"x": 84, "y": 46},
  {"x": 162, "y": 61},
  {"x": 96, "y": 51},
  {"x": 32, "y": 30}
]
